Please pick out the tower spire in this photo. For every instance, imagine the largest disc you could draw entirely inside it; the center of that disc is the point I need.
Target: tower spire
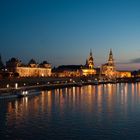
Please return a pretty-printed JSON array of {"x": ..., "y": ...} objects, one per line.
[
  {"x": 90, "y": 60},
  {"x": 110, "y": 59},
  {"x": 90, "y": 52}
]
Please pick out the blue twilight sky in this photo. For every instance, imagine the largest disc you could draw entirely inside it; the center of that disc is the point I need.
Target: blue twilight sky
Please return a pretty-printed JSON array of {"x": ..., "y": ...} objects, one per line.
[{"x": 64, "y": 31}]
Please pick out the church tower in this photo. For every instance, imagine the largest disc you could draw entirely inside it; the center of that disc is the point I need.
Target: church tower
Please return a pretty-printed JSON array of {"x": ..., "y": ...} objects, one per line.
[
  {"x": 90, "y": 61},
  {"x": 108, "y": 69},
  {"x": 88, "y": 69},
  {"x": 110, "y": 59}
]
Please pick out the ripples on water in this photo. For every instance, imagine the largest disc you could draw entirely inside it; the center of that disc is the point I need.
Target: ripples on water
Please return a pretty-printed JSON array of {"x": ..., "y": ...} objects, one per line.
[{"x": 110, "y": 111}]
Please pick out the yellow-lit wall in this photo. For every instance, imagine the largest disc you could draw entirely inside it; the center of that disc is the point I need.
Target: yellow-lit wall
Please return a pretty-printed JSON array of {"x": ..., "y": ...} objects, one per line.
[
  {"x": 33, "y": 72},
  {"x": 87, "y": 72},
  {"x": 108, "y": 71},
  {"x": 68, "y": 73},
  {"x": 122, "y": 74}
]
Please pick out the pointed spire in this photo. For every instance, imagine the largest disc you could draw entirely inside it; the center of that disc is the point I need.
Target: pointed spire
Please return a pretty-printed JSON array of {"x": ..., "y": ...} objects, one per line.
[
  {"x": 110, "y": 52},
  {"x": 90, "y": 52},
  {"x": 110, "y": 59},
  {"x": 86, "y": 62},
  {"x": 90, "y": 60}
]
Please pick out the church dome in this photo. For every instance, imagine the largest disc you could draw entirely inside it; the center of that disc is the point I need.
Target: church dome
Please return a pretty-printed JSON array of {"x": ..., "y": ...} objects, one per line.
[
  {"x": 32, "y": 61},
  {"x": 13, "y": 59}
]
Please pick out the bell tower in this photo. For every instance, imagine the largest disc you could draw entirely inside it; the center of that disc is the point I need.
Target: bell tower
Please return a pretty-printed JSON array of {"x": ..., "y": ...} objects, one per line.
[
  {"x": 90, "y": 60},
  {"x": 110, "y": 59}
]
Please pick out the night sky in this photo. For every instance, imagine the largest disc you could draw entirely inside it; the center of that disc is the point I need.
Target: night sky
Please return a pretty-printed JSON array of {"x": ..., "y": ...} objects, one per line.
[{"x": 64, "y": 31}]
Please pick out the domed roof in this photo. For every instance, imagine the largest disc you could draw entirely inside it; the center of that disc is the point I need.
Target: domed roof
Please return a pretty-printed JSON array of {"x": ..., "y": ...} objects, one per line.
[
  {"x": 13, "y": 59},
  {"x": 32, "y": 61},
  {"x": 45, "y": 62}
]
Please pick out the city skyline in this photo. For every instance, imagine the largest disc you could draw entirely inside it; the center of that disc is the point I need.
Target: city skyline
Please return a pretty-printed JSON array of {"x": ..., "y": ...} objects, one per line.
[{"x": 63, "y": 32}]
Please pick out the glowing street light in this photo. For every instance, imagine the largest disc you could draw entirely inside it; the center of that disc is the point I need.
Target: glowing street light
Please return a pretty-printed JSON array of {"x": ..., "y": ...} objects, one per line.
[
  {"x": 16, "y": 85},
  {"x": 7, "y": 85}
]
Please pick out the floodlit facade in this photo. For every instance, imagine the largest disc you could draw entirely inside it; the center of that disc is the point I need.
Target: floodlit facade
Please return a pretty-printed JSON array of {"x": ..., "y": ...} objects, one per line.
[
  {"x": 67, "y": 71},
  {"x": 76, "y": 70},
  {"x": 109, "y": 69},
  {"x": 88, "y": 69},
  {"x": 31, "y": 70},
  {"x": 123, "y": 74}
]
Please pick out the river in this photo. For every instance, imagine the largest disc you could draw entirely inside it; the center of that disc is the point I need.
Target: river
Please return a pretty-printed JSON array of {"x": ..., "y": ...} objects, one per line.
[{"x": 102, "y": 112}]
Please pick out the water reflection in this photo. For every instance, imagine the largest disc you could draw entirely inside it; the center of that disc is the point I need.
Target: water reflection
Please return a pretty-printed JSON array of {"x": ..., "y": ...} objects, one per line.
[
  {"x": 91, "y": 104},
  {"x": 88, "y": 98}
]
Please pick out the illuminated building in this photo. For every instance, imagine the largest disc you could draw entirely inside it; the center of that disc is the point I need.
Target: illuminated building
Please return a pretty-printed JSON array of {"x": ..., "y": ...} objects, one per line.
[
  {"x": 31, "y": 70},
  {"x": 67, "y": 71},
  {"x": 109, "y": 69},
  {"x": 90, "y": 62},
  {"x": 123, "y": 74},
  {"x": 88, "y": 69},
  {"x": 76, "y": 70}
]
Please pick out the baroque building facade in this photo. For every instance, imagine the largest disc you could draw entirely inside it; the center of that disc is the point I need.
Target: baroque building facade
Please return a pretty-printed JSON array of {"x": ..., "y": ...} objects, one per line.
[
  {"x": 67, "y": 71},
  {"x": 32, "y": 69},
  {"x": 109, "y": 69},
  {"x": 88, "y": 69},
  {"x": 76, "y": 70}
]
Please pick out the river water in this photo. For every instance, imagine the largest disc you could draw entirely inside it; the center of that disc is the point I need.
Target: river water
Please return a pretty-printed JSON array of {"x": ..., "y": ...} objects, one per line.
[{"x": 102, "y": 112}]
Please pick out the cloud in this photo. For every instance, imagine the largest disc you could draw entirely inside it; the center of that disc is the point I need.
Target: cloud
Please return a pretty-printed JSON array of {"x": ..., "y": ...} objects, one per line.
[
  {"x": 131, "y": 61},
  {"x": 136, "y": 60},
  {"x": 123, "y": 63}
]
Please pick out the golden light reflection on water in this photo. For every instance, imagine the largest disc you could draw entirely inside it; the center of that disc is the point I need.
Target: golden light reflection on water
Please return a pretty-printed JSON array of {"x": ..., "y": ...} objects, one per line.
[{"x": 87, "y": 99}]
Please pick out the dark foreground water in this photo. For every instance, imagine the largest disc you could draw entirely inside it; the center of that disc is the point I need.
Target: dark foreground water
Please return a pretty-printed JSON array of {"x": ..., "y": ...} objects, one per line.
[{"x": 100, "y": 112}]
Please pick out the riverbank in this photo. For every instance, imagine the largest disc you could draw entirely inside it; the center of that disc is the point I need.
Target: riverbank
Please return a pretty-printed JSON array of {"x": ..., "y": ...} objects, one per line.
[
  {"x": 29, "y": 81},
  {"x": 12, "y": 86},
  {"x": 11, "y": 92}
]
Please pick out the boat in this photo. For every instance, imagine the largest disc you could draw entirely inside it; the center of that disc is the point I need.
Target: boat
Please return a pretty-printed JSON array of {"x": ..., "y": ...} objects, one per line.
[{"x": 25, "y": 93}]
